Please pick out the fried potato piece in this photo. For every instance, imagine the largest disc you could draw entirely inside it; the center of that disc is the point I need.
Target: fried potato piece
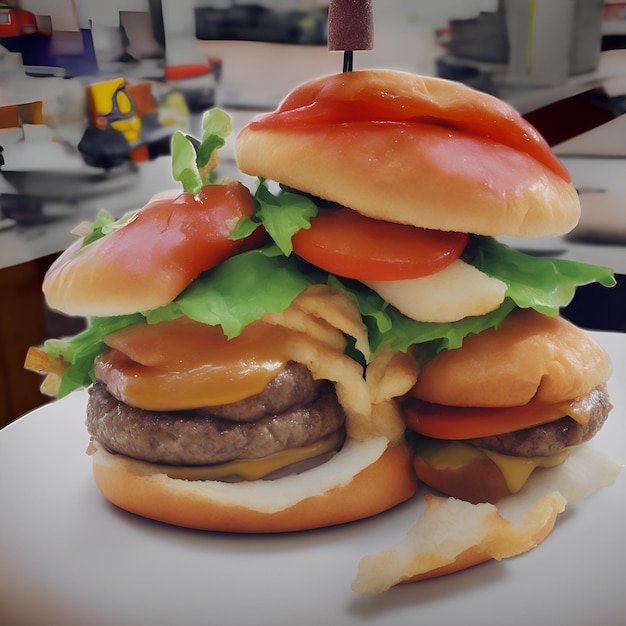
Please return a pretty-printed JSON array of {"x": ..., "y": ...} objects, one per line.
[
  {"x": 321, "y": 317},
  {"x": 452, "y": 535},
  {"x": 318, "y": 329},
  {"x": 42, "y": 363},
  {"x": 338, "y": 309},
  {"x": 389, "y": 375}
]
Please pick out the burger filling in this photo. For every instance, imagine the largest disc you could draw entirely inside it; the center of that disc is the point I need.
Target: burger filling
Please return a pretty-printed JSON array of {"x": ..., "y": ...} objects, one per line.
[
  {"x": 548, "y": 439},
  {"x": 517, "y": 454},
  {"x": 295, "y": 423}
]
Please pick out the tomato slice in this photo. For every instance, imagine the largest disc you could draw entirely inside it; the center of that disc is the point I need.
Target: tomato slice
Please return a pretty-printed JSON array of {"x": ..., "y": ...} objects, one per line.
[
  {"x": 183, "y": 235},
  {"x": 346, "y": 243},
  {"x": 451, "y": 423}
]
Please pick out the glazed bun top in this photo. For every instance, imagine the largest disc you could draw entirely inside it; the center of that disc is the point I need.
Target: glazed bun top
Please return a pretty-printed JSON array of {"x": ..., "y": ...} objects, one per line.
[
  {"x": 153, "y": 257},
  {"x": 529, "y": 357},
  {"x": 405, "y": 148}
]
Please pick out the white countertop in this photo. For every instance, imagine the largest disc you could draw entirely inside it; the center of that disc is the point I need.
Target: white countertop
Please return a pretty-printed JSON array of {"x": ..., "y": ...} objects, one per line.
[{"x": 131, "y": 189}]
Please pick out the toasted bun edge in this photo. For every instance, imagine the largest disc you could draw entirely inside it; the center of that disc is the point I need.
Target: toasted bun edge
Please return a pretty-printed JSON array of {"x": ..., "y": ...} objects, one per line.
[{"x": 385, "y": 482}]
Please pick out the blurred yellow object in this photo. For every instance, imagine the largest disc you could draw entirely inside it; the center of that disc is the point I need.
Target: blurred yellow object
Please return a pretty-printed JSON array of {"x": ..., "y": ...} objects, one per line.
[
  {"x": 110, "y": 105},
  {"x": 174, "y": 111}
]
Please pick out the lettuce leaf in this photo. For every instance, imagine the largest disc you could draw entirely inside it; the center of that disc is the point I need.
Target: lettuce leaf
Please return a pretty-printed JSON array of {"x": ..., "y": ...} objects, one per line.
[
  {"x": 104, "y": 224},
  {"x": 193, "y": 161},
  {"x": 241, "y": 290},
  {"x": 536, "y": 282},
  {"x": 282, "y": 214},
  {"x": 81, "y": 351}
]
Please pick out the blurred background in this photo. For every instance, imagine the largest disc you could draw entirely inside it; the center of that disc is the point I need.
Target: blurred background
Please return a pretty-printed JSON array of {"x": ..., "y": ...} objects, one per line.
[{"x": 91, "y": 93}]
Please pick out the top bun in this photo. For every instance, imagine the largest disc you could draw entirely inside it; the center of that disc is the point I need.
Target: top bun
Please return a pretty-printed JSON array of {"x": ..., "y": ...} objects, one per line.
[
  {"x": 417, "y": 150},
  {"x": 153, "y": 257},
  {"x": 529, "y": 357}
]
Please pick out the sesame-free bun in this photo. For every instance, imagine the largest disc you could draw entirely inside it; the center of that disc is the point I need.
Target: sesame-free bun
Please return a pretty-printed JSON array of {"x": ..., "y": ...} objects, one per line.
[
  {"x": 148, "y": 261},
  {"x": 417, "y": 150},
  {"x": 529, "y": 357},
  {"x": 363, "y": 479}
]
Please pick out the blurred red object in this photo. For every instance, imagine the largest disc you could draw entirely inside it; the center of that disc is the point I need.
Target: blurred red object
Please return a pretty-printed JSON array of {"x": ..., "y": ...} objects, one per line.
[{"x": 16, "y": 22}]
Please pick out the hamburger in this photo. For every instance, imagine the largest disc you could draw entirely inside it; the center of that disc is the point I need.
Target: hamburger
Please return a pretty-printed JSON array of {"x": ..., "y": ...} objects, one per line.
[
  {"x": 414, "y": 178},
  {"x": 407, "y": 177},
  {"x": 222, "y": 395},
  {"x": 483, "y": 417}
]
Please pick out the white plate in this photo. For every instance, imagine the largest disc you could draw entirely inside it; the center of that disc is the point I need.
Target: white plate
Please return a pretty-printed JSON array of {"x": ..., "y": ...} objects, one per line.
[{"x": 69, "y": 558}]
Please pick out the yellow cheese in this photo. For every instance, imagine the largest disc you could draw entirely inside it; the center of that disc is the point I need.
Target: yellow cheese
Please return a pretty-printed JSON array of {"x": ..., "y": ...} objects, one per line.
[
  {"x": 251, "y": 469},
  {"x": 441, "y": 454},
  {"x": 581, "y": 409},
  {"x": 517, "y": 469}
]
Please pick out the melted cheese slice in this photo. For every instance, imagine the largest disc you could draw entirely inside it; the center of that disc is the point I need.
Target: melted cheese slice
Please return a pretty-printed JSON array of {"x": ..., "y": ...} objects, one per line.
[
  {"x": 581, "y": 409},
  {"x": 516, "y": 470},
  {"x": 182, "y": 364},
  {"x": 250, "y": 469}
]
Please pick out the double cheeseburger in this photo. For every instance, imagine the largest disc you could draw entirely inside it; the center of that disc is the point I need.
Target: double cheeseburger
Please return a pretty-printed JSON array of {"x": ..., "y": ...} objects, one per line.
[
  {"x": 258, "y": 389},
  {"x": 222, "y": 395}
]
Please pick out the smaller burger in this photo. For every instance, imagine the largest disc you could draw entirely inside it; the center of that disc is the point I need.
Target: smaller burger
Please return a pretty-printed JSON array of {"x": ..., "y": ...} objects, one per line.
[{"x": 483, "y": 417}]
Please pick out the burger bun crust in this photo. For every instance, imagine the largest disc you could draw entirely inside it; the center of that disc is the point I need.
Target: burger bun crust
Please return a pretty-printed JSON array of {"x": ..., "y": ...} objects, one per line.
[
  {"x": 385, "y": 481},
  {"x": 432, "y": 175},
  {"x": 530, "y": 356}
]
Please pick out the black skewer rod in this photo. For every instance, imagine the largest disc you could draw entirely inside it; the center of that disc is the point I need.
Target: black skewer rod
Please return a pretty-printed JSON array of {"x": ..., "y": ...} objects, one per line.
[{"x": 348, "y": 57}]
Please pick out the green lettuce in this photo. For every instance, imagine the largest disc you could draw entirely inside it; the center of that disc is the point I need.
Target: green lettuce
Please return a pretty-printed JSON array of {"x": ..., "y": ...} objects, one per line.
[
  {"x": 193, "y": 161},
  {"x": 536, "y": 282},
  {"x": 240, "y": 290},
  {"x": 282, "y": 215}
]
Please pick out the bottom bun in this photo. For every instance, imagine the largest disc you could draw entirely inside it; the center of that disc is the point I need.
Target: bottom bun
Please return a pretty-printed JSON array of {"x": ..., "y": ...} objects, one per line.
[
  {"x": 363, "y": 479},
  {"x": 478, "y": 481}
]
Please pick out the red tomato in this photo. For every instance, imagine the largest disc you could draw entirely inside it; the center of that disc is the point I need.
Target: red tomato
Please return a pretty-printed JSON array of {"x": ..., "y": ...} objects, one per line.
[
  {"x": 452, "y": 423},
  {"x": 182, "y": 236},
  {"x": 346, "y": 243}
]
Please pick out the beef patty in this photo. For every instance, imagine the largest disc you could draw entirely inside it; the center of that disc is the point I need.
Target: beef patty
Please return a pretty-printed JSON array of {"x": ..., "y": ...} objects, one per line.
[
  {"x": 551, "y": 438},
  {"x": 306, "y": 413}
]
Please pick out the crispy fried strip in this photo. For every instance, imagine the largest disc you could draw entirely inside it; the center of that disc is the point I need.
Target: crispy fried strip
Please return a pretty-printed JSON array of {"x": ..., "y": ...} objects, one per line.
[{"x": 41, "y": 362}]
